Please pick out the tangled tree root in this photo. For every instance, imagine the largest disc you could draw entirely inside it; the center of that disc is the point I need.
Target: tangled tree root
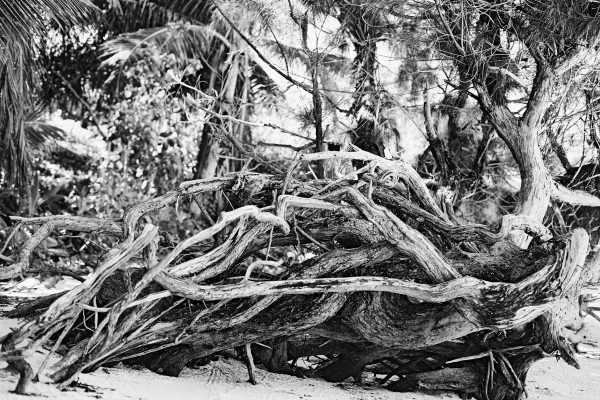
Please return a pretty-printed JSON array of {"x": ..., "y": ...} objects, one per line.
[{"x": 393, "y": 283}]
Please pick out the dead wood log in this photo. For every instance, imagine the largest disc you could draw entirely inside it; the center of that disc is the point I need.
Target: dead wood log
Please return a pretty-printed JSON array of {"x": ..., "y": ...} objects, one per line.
[{"x": 387, "y": 280}]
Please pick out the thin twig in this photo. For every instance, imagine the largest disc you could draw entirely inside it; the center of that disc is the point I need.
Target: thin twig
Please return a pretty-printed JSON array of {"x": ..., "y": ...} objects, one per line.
[
  {"x": 203, "y": 210},
  {"x": 250, "y": 364},
  {"x": 10, "y": 236},
  {"x": 310, "y": 238}
]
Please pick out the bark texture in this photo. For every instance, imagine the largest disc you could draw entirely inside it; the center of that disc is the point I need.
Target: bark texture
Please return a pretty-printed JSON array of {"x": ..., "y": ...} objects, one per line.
[{"x": 393, "y": 284}]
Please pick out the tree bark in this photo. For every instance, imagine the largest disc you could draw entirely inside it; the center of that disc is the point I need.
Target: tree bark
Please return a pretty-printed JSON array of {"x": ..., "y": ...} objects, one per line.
[
  {"x": 208, "y": 152},
  {"x": 386, "y": 283}
]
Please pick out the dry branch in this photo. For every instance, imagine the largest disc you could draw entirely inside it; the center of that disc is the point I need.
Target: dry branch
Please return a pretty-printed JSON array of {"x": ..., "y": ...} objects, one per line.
[
  {"x": 50, "y": 224},
  {"x": 386, "y": 280}
]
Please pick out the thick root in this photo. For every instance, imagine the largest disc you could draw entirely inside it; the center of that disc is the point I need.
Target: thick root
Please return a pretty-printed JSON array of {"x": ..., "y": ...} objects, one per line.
[{"x": 391, "y": 282}]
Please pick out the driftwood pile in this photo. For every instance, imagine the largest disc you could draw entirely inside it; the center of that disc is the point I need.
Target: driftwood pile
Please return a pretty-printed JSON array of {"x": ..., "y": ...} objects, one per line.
[{"x": 395, "y": 283}]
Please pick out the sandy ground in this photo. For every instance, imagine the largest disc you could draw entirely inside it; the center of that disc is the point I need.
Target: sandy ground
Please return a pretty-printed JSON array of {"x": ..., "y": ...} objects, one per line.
[{"x": 226, "y": 379}]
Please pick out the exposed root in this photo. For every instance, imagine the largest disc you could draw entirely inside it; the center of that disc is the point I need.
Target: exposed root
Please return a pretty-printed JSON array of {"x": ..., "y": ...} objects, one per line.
[{"x": 387, "y": 285}]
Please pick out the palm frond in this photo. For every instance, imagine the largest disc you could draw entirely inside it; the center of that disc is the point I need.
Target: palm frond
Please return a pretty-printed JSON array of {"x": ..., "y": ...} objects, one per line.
[
  {"x": 23, "y": 20},
  {"x": 14, "y": 85},
  {"x": 321, "y": 7},
  {"x": 333, "y": 63},
  {"x": 264, "y": 88},
  {"x": 22, "y": 24},
  {"x": 288, "y": 53},
  {"x": 263, "y": 11},
  {"x": 39, "y": 133},
  {"x": 124, "y": 16},
  {"x": 184, "y": 40}
]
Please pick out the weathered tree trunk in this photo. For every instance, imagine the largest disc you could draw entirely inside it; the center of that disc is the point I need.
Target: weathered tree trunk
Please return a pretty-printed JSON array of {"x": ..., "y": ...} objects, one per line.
[
  {"x": 208, "y": 152},
  {"x": 536, "y": 182},
  {"x": 222, "y": 78},
  {"x": 387, "y": 286}
]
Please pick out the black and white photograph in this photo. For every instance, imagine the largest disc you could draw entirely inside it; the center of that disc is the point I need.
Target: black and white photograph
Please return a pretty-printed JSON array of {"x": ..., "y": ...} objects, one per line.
[{"x": 300, "y": 199}]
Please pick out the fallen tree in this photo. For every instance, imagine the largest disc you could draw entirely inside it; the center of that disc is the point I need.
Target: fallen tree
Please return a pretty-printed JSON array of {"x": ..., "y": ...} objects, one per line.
[{"x": 394, "y": 282}]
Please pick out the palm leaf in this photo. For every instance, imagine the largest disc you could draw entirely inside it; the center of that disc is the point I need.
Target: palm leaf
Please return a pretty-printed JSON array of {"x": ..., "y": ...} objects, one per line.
[
  {"x": 13, "y": 88},
  {"x": 39, "y": 133},
  {"x": 332, "y": 62},
  {"x": 184, "y": 40},
  {"x": 265, "y": 12},
  {"x": 264, "y": 88},
  {"x": 23, "y": 20},
  {"x": 125, "y": 16},
  {"x": 22, "y": 24}
]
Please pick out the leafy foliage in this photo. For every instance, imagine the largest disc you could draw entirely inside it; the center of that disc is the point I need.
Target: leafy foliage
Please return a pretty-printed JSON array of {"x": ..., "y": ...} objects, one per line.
[{"x": 23, "y": 25}]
